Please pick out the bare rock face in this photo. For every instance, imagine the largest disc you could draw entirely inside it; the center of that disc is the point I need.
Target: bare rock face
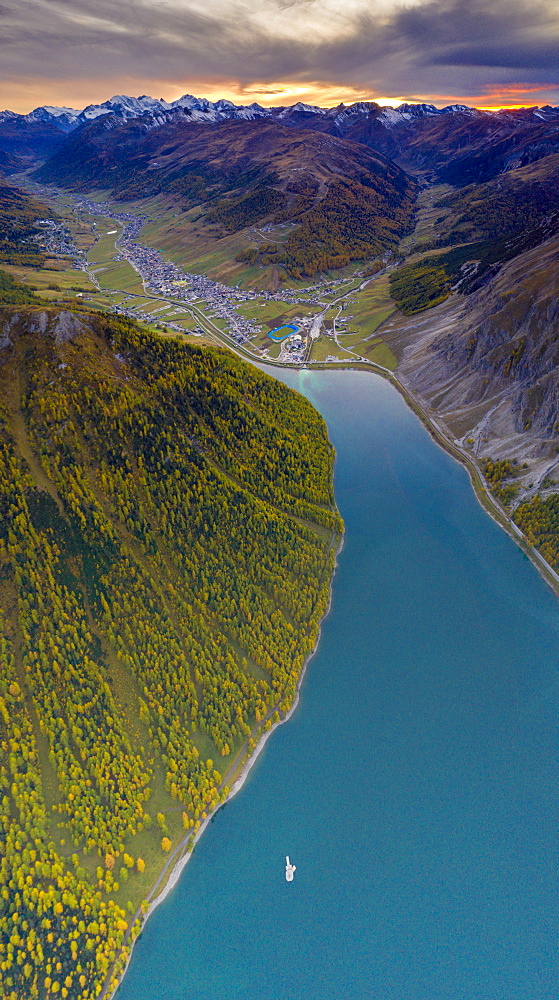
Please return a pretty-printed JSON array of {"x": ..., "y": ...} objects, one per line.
[
  {"x": 67, "y": 326},
  {"x": 62, "y": 326},
  {"x": 38, "y": 322},
  {"x": 5, "y": 339},
  {"x": 488, "y": 363}
]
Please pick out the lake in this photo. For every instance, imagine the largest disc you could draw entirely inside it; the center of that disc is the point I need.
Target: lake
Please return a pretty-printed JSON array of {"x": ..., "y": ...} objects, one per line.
[{"x": 416, "y": 787}]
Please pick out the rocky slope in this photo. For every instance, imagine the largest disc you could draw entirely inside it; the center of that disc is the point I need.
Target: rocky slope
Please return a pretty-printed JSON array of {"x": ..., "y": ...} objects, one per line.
[{"x": 487, "y": 364}]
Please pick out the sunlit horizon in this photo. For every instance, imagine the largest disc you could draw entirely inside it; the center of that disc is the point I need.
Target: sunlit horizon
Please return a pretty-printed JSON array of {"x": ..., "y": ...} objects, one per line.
[{"x": 80, "y": 94}]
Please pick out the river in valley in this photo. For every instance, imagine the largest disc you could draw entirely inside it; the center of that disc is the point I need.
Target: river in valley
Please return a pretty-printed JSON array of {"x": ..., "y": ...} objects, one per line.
[{"x": 416, "y": 787}]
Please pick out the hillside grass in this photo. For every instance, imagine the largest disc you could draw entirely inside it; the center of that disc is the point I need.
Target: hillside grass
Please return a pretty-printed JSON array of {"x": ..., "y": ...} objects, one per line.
[
  {"x": 326, "y": 346},
  {"x": 369, "y": 308},
  {"x": 68, "y": 279}
]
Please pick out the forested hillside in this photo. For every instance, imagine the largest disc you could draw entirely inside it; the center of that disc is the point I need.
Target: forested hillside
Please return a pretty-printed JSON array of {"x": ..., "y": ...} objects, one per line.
[
  {"x": 18, "y": 212},
  {"x": 167, "y": 538},
  {"x": 25, "y": 143},
  {"x": 12, "y": 292}
]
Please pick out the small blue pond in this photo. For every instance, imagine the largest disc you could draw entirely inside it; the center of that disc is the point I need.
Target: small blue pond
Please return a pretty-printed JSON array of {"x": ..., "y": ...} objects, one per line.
[{"x": 284, "y": 331}]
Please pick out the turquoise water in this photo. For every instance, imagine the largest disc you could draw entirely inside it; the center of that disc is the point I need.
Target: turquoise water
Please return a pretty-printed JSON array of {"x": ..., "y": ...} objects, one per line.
[
  {"x": 286, "y": 326},
  {"x": 416, "y": 787}
]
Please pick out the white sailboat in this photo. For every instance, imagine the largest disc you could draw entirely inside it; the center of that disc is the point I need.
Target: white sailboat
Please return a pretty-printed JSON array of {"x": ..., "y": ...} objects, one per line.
[{"x": 289, "y": 869}]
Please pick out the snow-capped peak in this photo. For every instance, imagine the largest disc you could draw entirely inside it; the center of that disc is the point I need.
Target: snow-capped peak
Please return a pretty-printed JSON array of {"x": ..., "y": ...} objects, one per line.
[
  {"x": 313, "y": 109},
  {"x": 132, "y": 104},
  {"x": 224, "y": 105},
  {"x": 393, "y": 116},
  {"x": 64, "y": 118},
  {"x": 188, "y": 101},
  {"x": 418, "y": 110},
  {"x": 363, "y": 107},
  {"x": 93, "y": 111},
  {"x": 452, "y": 109},
  {"x": 56, "y": 112}
]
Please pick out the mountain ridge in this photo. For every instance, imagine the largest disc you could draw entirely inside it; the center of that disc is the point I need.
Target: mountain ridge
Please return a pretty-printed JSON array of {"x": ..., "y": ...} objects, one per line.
[
  {"x": 67, "y": 119},
  {"x": 419, "y": 137}
]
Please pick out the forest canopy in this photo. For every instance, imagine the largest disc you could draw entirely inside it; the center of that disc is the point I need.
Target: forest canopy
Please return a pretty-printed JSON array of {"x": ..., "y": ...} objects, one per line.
[{"x": 18, "y": 213}]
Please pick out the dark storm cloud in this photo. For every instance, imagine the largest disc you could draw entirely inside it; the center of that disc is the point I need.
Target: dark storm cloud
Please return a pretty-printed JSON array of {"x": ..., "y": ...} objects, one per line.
[
  {"x": 515, "y": 35},
  {"x": 541, "y": 57},
  {"x": 445, "y": 46},
  {"x": 103, "y": 37}
]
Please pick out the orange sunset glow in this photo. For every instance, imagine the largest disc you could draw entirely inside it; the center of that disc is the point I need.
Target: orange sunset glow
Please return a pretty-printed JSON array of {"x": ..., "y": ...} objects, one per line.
[{"x": 23, "y": 98}]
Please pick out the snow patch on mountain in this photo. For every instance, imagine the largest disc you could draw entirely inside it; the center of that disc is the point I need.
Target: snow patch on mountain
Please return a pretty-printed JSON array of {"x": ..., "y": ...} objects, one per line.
[
  {"x": 455, "y": 109},
  {"x": 393, "y": 116}
]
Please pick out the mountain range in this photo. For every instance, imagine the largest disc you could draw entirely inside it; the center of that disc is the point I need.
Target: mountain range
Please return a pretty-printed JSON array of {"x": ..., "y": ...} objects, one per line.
[
  {"x": 447, "y": 144},
  {"x": 200, "y": 109},
  {"x": 347, "y": 179}
]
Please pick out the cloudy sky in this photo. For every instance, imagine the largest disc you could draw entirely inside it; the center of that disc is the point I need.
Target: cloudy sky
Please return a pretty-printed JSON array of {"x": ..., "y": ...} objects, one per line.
[{"x": 482, "y": 52}]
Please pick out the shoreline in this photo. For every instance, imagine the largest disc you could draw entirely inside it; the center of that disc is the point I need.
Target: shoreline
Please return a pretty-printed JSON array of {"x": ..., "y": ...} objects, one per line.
[
  {"x": 482, "y": 493},
  {"x": 180, "y": 858}
]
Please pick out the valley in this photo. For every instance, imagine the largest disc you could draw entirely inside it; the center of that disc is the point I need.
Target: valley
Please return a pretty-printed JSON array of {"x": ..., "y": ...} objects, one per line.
[
  {"x": 131, "y": 277},
  {"x": 350, "y": 318}
]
